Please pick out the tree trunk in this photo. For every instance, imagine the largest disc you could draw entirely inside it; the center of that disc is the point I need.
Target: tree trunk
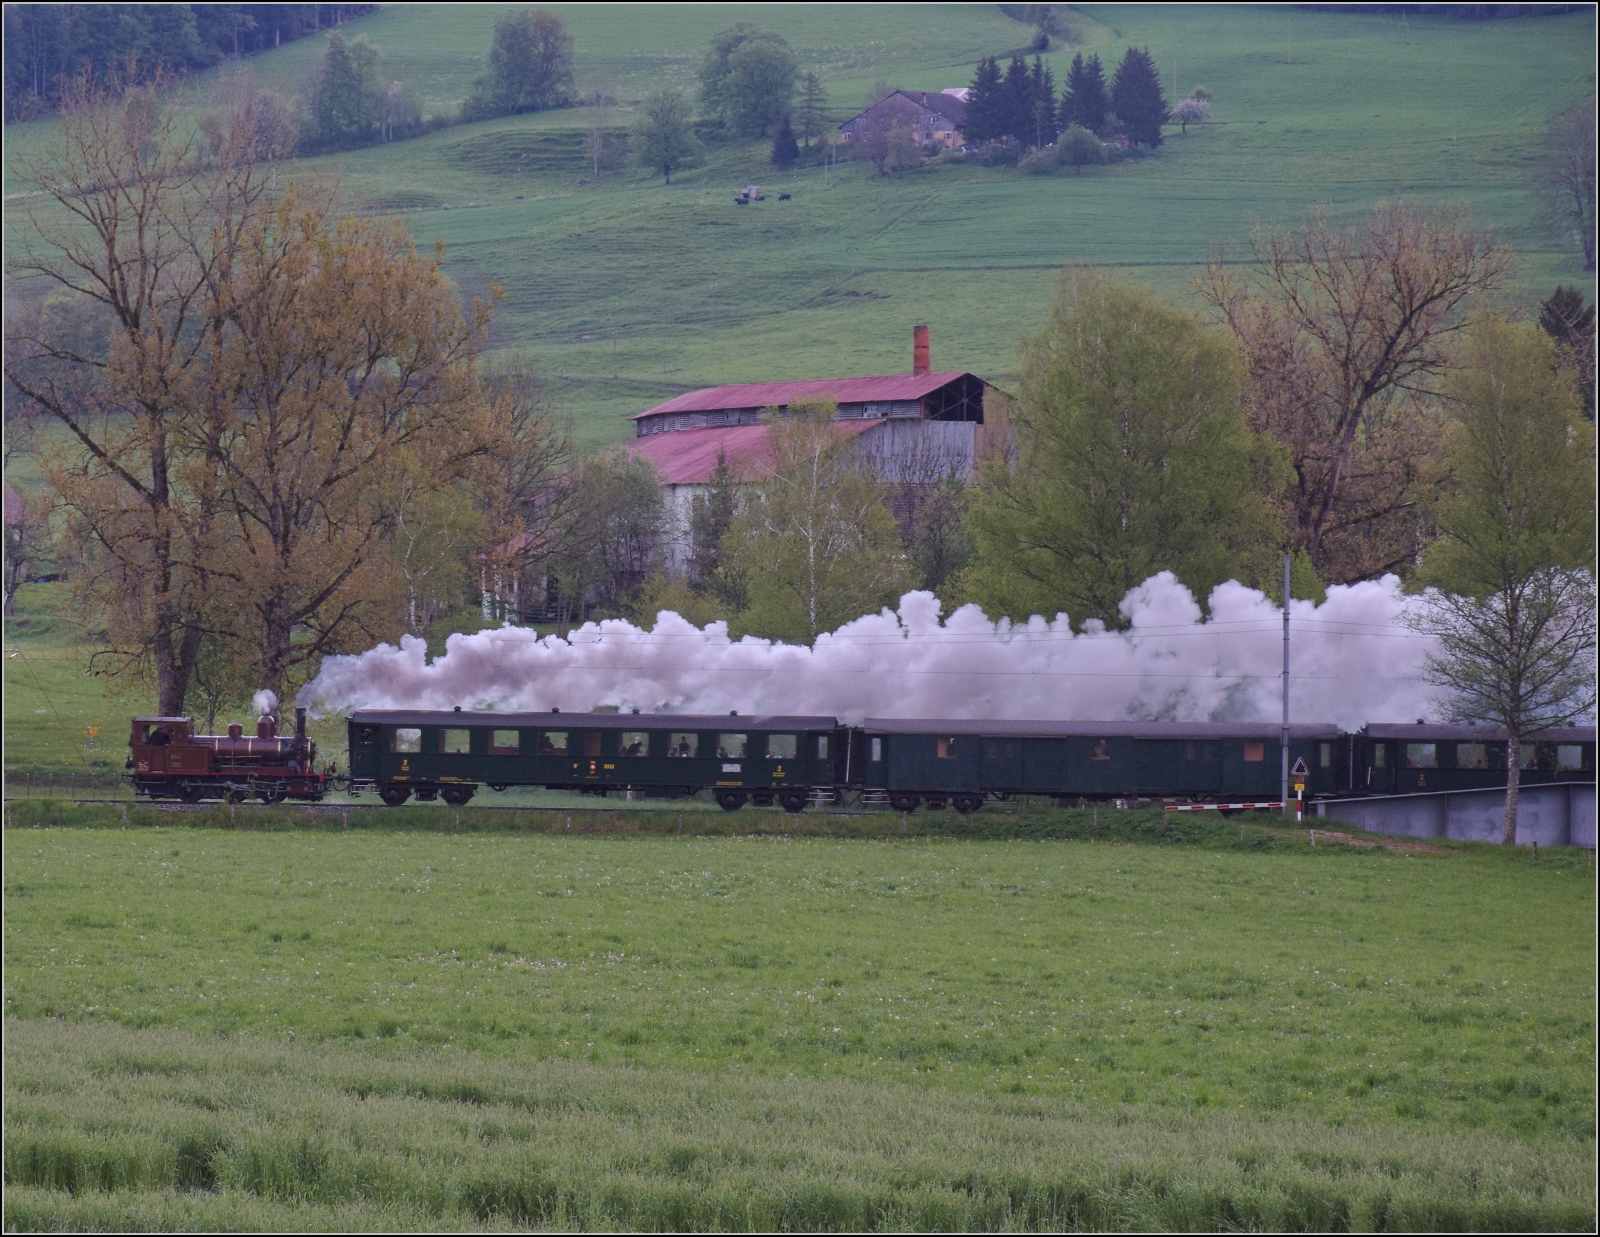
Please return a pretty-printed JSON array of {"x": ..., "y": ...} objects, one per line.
[{"x": 1513, "y": 784}]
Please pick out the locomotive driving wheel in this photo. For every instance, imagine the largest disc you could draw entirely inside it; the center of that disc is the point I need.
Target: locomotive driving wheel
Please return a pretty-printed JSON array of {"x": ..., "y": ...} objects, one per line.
[
  {"x": 271, "y": 795},
  {"x": 394, "y": 796},
  {"x": 192, "y": 792}
]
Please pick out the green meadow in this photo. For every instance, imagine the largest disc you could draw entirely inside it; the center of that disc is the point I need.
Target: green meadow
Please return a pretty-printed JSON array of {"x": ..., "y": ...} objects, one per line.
[
  {"x": 622, "y": 292},
  {"x": 508, "y": 1026}
]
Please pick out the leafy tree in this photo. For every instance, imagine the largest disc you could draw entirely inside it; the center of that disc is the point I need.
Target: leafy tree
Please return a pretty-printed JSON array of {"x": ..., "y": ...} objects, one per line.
[
  {"x": 813, "y": 106},
  {"x": 1133, "y": 457},
  {"x": 1569, "y": 321},
  {"x": 785, "y": 150},
  {"x": 346, "y": 98},
  {"x": 530, "y": 67},
  {"x": 1566, "y": 177},
  {"x": 900, "y": 149},
  {"x": 1346, "y": 331},
  {"x": 748, "y": 78},
  {"x": 1191, "y": 111},
  {"x": 1084, "y": 101},
  {"x": 663, "y": 135},
  {"x": 816, "y": 544},
  {"x": 1515, "y": 558},
  {"x": 985, "y": 119},
  {"x": 614, "y": 535},
  {"x": 1078, "y": 147},
  {"x": 1136, "y": 98}
]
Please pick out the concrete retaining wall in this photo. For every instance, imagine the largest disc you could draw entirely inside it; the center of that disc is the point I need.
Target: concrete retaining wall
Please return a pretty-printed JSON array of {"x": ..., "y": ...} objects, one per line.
[{"x": 1562, "y": 814}]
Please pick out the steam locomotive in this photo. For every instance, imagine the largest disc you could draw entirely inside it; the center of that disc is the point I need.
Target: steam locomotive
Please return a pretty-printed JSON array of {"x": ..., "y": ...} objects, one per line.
[
  {"x": 168, "y": 761},
  {"x": 796, "y": 760}
]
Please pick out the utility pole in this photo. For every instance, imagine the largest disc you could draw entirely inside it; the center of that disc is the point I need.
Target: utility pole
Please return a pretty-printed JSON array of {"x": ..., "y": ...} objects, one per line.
[{"x": 1284, "y": 744}]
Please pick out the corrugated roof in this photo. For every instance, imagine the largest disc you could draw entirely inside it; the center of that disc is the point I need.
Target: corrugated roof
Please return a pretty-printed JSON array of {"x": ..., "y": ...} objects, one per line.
[
  {"x": 689, "y": 457},
  {"x": 782, "y": 394}
]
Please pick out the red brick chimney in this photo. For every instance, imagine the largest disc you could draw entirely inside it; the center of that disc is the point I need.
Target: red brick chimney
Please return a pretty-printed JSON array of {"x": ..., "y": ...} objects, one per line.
[{"x": 921, "y": 361}]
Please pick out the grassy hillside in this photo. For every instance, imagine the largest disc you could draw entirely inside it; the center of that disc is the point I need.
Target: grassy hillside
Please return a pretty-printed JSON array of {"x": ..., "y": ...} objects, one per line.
[{"x": 623, "y": 292}]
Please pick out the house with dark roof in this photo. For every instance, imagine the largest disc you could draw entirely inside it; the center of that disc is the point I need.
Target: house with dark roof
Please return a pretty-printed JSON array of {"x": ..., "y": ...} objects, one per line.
[
  {"x": 934, "y": 119},
  {"x": 911, "y": 429}
]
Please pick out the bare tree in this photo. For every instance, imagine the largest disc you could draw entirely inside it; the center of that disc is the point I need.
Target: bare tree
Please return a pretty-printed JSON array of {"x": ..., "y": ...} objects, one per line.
[
  {"x": 1566, "y": 177},
  {"x": 144, "y": 219},
  {"x": 1515, "y": 617},
  {"x": 1346, "y": 331}
]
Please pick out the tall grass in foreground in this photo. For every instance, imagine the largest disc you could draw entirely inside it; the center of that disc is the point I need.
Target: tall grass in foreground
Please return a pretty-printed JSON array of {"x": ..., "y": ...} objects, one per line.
[{"x": 110, "y": 1128}]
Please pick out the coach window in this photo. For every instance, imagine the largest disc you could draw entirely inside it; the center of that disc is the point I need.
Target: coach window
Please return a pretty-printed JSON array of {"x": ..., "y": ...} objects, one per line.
[
  {"x": 504, "y": 742},
  {"x": 591, "y": 745},
  {"x": 405, "y": 739},
  {"x": 1422, "y": 755},
  {"x": 1530, "y": 755},
  {"x": 1099, "y": 749},
  {"x": 683, "y": 744},
  {"x": 634, "y": 743},
  {"x": 1569, "y": 756},
  {"x": 781, "y": 746},
  {"x": 552, "y": 743},
  {"x": 455, "y": 742},
  {"x": 732, "y": 746},
  {"x": 1380, "y": 755},
  {"x": 947, "y": 749},
  {"x": 822, "y": 747},
  {"x": 1325, "y": 755},
  {"x": 1472, "y": 755},
  {"x": 877, "y": 750},
  {"x": 1254, "y": 753}
]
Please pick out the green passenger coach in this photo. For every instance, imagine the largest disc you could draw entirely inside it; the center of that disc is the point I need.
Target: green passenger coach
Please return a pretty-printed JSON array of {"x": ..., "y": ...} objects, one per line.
[{"x": 449, "y": 755}]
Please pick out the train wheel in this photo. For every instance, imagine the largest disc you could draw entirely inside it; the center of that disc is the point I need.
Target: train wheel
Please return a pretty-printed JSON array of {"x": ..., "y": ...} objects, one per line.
[
  {"x": 192, "y": 793},
  {"x": 456, "y": 796},
  {"x": 498, "y": 786},
  {"x": 794, "y": 803},
  {"x": 730, "y": 800},
  {"x": 966, "y": 804},
  {"x": 904, "y": 803},
  {"x": 394, "y": 796},
  {"x": 271, "y": 796},
  {"x": 235, "y": 796}
]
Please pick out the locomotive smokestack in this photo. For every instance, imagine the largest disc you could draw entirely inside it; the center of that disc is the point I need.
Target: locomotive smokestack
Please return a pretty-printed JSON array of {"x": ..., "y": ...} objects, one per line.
[
  {"x": 921, "y": 356},
  {"x": 299, "y": 723}
]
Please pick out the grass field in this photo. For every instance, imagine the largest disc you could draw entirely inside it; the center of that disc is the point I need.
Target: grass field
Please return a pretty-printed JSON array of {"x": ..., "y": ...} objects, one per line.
[
  {"x": 622, "y": 292},
  {"x": 1329, "y": 1009}
]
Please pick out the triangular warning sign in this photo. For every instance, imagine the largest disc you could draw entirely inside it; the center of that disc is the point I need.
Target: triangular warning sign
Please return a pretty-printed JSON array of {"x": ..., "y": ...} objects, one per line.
[{"x": 1299, "y": 769}]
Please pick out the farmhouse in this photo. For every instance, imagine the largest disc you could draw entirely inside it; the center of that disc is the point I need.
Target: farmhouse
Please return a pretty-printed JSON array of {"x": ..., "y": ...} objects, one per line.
[
  {"x": 911, "y": 429},
  {"x": 934, "y": 119}
]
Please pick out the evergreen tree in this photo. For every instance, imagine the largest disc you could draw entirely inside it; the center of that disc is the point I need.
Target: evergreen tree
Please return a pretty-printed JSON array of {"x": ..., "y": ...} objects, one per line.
[
  {"x": 1136, "y": 98},
  {"x": 813, "y": 103},
  {"x": 1569, "y": 321},
  {"x": 984, "y": 122},
  {"x": 346, "y": 101},
  {"x": 785, "y": 150},
  {"x": 1084, "y": 100},
  {"x": 1042, "y": 110},
  {"x": 1016, "y": 102}
]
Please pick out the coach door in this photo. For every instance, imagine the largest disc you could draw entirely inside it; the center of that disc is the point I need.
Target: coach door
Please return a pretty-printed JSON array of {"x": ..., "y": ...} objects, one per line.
[
  {"x": 1001, "y": 764},
  {"x": 1380, "y": 768}
]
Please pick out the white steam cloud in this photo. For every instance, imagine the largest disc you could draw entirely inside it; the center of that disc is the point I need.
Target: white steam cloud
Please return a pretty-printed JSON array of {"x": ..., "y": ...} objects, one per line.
[
  {"x": 1354, "y": 661},
  {"x": 265, "y": 703}
]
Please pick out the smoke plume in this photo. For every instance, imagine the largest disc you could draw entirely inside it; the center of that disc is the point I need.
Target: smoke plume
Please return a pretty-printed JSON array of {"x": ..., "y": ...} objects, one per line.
[
  {"x": 265, "y": 703},
  {"x": 1353, "y": 661}
]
